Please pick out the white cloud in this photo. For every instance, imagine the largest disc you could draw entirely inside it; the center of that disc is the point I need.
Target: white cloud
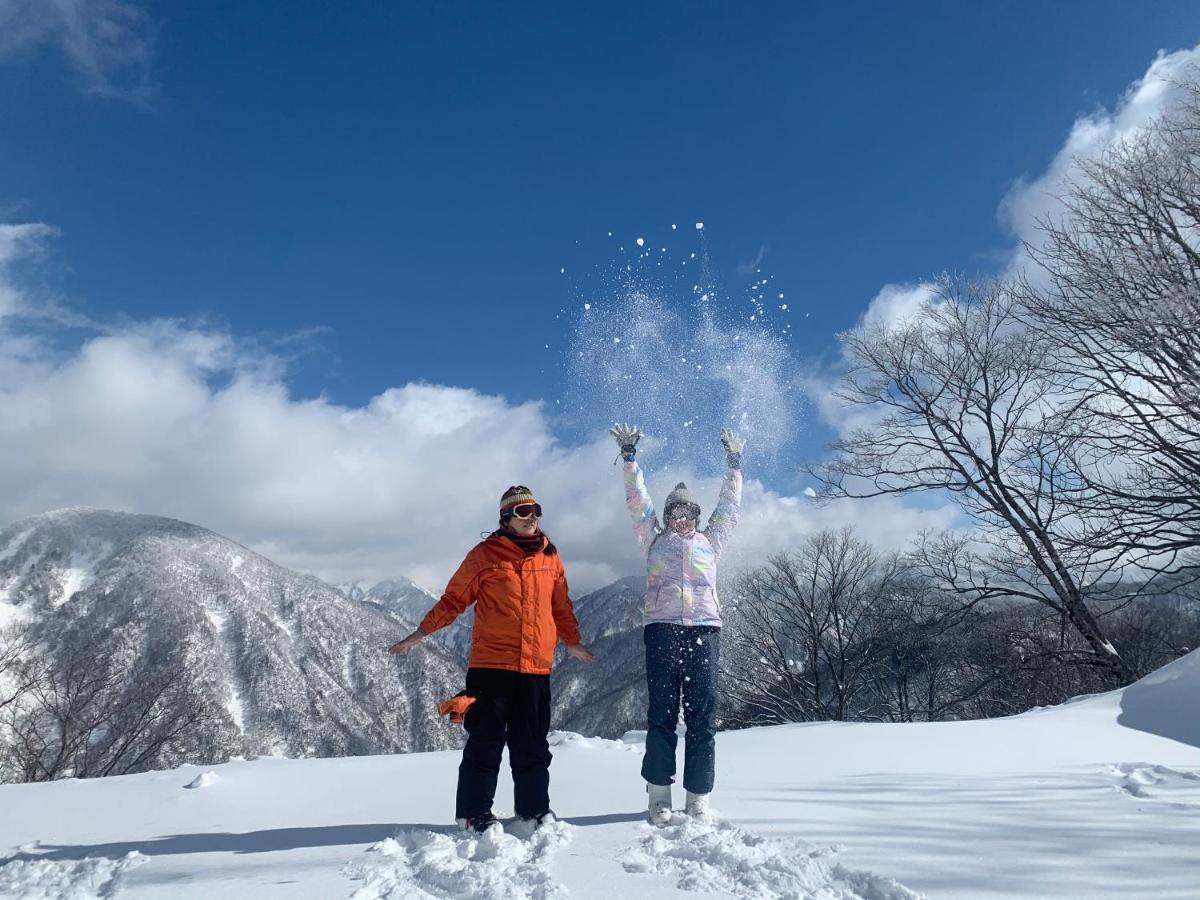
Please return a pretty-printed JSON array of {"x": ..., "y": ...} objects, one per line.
[
  {"x": 896, "y": 304},
  {"x": 109, "y": 43},
  {"x": 1149, "y": 97},
  {"x": 1028, "y": 201},
  {"x": 16, "y": 242},
  {"x": 190, "y": 422}
]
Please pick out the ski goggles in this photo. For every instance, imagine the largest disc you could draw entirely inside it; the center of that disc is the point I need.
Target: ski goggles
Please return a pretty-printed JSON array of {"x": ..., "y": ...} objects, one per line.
[
  {"x": 683, "y": 513},
  {"x": 526, "y": 510}
]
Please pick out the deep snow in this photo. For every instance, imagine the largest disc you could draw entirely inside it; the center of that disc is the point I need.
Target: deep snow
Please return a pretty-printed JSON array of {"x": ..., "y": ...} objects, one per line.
[{"x": 1098, "y": 798}]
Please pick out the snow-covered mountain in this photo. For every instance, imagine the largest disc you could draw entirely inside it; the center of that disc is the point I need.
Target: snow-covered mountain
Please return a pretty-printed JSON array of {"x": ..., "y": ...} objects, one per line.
[
  {"x": 1097, "y": 799},
  {"x": 276, "y": 662},
  {"x": 409, "y": 603},
  {"x": 607, "y": 697}
]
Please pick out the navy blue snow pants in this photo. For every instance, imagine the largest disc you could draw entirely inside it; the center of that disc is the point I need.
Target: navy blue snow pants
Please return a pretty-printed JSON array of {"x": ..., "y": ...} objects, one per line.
[{"x": 681, "y": 664}]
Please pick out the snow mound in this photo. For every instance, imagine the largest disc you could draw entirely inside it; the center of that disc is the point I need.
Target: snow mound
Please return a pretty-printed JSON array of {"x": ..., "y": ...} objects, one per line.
[
  {"x": 206, "y": 779},
  {"x": 1164, "y": 702},
  {"x": 571, "y": 739},
  {"x": 722, "y": 857},
  {"x": 494, "y": 866},
  {"x": 41, "y": 879}
]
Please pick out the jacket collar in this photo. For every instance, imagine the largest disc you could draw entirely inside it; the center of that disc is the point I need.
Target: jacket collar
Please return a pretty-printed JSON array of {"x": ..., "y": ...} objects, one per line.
[{"x": 509, "y": 547}]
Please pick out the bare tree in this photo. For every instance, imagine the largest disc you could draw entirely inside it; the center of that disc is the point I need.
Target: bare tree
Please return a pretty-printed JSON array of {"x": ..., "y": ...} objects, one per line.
[
  {"x": 1118, "y": 297},
  {"x": 930, "y": 657},
  {"x": 19, "y": 671},
  {"x": 100, "y": 709},
  {"x": 961, "y": 404},
  {"x": 801, "y": 643}
]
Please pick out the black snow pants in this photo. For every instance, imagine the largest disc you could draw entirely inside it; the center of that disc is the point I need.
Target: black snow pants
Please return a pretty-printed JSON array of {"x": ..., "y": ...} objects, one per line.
[{"x": 510, "y": 708}]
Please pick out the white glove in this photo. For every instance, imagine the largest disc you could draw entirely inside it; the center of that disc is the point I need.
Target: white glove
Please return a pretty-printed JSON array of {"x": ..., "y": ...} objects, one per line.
[
  {"x": 733, "y": 443},
  {"x": 626, "y": 437}
]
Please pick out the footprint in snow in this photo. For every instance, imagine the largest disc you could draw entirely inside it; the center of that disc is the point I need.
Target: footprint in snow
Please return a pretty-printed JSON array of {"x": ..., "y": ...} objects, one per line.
[
  {"x": 498, "y": 865},
  {"x": 722, "y": 857},
  {"x": 30, "y": 878},
  {"x": 1146, "y": 781}
]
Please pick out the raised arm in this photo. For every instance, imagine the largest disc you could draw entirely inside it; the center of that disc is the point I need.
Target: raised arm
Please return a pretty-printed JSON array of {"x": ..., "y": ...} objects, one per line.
[
  {"x": 724, "y": 516},
  {"x": 637, "y": 499}
]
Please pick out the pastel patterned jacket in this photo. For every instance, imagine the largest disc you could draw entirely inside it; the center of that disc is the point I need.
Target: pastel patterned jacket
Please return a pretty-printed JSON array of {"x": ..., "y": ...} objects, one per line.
[{"x": 681, "y": 572}]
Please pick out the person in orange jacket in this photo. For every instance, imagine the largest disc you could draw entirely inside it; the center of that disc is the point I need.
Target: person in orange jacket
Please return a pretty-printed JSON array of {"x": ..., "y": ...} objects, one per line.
[{"x": 517, "y": 582}]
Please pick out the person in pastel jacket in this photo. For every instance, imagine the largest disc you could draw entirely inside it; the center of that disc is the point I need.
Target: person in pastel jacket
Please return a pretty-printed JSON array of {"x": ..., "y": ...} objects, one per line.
[{"x": 682, "y": 619}]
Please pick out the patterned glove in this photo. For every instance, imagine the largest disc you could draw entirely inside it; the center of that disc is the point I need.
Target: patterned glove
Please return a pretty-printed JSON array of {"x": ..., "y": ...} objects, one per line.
[
  {"x": 733, "y": 444},
  {"x": 626, "y": 437}
]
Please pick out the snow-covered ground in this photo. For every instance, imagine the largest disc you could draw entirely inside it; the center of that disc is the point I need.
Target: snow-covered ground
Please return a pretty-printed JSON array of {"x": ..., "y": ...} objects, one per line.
[{"x": 1099, "y": 798}]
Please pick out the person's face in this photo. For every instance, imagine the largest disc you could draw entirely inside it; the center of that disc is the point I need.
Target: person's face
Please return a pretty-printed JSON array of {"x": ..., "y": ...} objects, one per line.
[
  {"x": 682, "y": 527},
  {"x": 524, "y": 526}
]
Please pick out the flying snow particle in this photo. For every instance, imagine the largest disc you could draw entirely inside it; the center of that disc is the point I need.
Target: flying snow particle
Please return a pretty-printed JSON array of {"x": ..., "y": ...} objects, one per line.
[
  {"x": 699, "y": 226},
  {"x": 783, "y": 306},
  {"x": 641, "y": 242},
  {"x": 616, "y": 340},
  {"x": 586, "y": 307},
  {"x": 673, "y": 227},
  {"x": 809, "y": 492}
]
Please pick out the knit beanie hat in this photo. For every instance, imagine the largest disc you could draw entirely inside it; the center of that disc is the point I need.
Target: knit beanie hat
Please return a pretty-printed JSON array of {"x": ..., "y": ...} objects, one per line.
[
  {"x": 681, "y": 496},
  {"x": 513, "y": 497}
]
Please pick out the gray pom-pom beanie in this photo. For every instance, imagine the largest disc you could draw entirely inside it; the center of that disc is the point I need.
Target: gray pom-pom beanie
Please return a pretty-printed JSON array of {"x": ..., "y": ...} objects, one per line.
[{"x": 681, "y": 496}]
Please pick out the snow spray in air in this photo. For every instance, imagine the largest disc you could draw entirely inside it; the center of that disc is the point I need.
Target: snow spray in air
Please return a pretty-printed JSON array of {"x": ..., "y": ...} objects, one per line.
[{"x": 659, "y": 345}]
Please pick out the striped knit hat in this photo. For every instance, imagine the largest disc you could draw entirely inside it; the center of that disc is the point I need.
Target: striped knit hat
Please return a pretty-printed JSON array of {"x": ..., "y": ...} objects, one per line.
[{"x": 513, "y": 497}]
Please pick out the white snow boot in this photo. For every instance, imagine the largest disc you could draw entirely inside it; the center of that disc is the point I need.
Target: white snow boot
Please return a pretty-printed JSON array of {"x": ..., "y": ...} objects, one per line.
[
  {"x": 698, "y": 808},
  {"x": 660, "y": 804}
]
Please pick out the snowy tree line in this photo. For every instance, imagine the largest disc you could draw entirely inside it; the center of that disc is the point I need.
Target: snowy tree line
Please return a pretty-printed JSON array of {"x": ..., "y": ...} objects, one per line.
[
  {"x": 1060, "y": 409},
  {"x": 838, "y": 631}
]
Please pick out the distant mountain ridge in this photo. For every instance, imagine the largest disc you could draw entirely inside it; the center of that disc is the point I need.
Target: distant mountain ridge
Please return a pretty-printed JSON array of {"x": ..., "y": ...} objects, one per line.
[
  {"x": 278, "y": 662},
  {"x": 409, "y": 603}
]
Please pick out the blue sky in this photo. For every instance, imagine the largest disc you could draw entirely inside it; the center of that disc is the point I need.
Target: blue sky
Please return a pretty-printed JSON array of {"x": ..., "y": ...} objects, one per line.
[
  {"x": 412, "y": 179},
  {"x": 388, "y": 193}
]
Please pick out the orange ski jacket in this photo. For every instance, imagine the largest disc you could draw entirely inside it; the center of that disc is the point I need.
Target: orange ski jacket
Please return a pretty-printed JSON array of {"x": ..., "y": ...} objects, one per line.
[{"x": 521, "y": 606}]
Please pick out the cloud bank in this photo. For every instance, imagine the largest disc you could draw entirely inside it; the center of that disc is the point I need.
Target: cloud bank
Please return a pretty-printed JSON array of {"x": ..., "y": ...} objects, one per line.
[
  {"x": 190, "y": 422},
  {"x": 1155, "y": 93}
]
